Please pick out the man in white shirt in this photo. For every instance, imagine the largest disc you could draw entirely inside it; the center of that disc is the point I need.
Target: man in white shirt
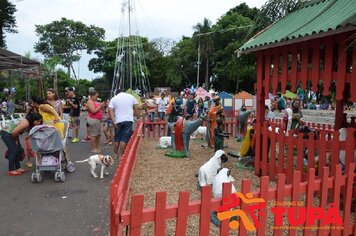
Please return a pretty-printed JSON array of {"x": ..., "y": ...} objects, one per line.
[{"x": 121, "y": 109}]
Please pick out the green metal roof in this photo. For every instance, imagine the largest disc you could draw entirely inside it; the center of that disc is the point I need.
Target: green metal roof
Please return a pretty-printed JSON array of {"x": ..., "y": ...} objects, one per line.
[{"x": 310, "y": 20}]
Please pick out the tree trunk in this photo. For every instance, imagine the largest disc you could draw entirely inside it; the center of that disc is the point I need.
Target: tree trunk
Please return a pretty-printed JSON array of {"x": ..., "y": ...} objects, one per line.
[
  {"x": 40, "y": 86},
  {"x": 237, "y": 86},
  {"x": 68, "y": 71},
  {"x": 55, "y": 82},
  {"x": 207, "y": 74}
]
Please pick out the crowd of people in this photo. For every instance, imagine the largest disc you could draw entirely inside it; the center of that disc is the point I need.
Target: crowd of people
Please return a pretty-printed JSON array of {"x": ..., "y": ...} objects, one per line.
[
  {"x": 112, "y": 117},
  {"x": 189, "y": 106}
]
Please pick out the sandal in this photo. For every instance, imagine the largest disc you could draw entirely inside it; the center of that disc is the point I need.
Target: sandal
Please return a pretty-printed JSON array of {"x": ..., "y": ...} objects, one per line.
[
  {"x": 29, "y": 164},
  {"x": 14, "y": 173},
  {"x": 21, "y": 170}
]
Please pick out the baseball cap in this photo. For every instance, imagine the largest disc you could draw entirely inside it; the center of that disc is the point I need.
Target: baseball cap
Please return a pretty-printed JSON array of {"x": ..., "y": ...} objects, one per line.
[
  {"x": 66, "y": 88},
  {"x": 71, "y": 89}
]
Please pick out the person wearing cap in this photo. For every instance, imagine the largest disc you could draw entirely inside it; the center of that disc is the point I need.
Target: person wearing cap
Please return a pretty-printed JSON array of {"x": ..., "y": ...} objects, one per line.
[
  {"x": 74, "y": 114},
  {"x": 216, "y": 111}
]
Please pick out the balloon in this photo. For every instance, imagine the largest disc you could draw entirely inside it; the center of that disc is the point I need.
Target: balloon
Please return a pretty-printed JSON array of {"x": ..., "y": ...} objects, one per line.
[{"x": 6, "y": 90}]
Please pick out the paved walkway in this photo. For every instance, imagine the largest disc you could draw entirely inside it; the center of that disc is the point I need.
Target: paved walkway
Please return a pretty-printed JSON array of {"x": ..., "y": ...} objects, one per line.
[{"x": 79, "y": 206}]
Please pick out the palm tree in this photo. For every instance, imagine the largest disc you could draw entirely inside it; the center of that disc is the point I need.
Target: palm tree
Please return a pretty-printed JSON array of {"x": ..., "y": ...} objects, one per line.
[
  {"x": 203, "y": 37},
  {"x": 48, "y": 68}
]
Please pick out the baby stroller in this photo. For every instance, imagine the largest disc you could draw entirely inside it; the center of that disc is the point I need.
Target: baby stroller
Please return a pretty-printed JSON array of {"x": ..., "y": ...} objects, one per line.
[{"x": 47, "y": 141}]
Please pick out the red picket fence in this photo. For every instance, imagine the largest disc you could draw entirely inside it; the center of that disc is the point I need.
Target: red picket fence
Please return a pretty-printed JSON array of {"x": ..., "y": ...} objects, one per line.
[
  {"x": 160, "y": 128},
  {"x": 120, "y": 184},
  {"x": 327, "y": 189},
  {"x": 329, "y": 185},
  {"x": 283, "y": 154},
  {"x": 278, "y": 122}
]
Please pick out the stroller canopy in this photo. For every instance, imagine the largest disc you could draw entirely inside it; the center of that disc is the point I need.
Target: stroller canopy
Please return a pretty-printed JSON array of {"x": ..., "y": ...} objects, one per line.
[{"x": 45, "y": 139}]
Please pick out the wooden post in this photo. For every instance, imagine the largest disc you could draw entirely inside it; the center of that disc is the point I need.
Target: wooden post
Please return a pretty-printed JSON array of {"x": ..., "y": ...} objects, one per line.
[{"x": 338, "y": 114}]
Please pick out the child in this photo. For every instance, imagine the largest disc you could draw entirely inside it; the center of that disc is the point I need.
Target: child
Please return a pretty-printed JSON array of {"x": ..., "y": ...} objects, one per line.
[
  {"x": 108, "y": 128},
  {"x": 219, "y": 135}
]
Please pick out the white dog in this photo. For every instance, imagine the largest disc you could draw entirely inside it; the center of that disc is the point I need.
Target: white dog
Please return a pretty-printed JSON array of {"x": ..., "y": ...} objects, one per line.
[
  {"x": 103, "y": 161},
  {"x": 208, "y": 171},
  {"x": 165, "y": 141},
  {"x": 200, "y": 131}
]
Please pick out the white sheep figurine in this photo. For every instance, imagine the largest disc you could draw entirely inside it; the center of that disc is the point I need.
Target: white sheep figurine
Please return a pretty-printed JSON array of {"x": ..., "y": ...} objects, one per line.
[
  {"x": 208, "y": 171},
  {"x": 165, "y": 142},
  {"x": 223, "y": 176},
  {"x": 200, "y": 131}
]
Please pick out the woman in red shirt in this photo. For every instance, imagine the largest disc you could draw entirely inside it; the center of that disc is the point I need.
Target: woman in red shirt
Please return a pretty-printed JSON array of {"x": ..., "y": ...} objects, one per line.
[{"x": 95, "y": 114}]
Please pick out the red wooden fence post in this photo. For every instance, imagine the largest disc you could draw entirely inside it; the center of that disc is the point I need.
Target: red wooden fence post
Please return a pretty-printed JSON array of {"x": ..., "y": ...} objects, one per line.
[
  {"x": 281, "y": 142},
  {"x": 324, "y": 195},
  {"x": 347, "y": 199},
  {"x": 204, "y": 226},
  {"x": 295, "y": 196},
  {"x": 245, "y": 188},
  {"x": 182, "y": 217},
  {"x": 160, "y": 214},
  {"x": 335, "y": 149},
  {"x": 136, "y": 215},
  {"x": 300, "y": 154},
  {"x": 309, "y": 201},
  {"x": 338, "y": 181},
  {"x": 224, "y": 225},
  {"x": 280, "y": 194},
  {"x": 290, "y": 155},
  {"x": 322, "y": 152},
  {"x": 262, "y": 220},
  {"x": 265, "y": 153},
  {"x": 311, "y": 151},
  {"x": 272, "y": 152}
]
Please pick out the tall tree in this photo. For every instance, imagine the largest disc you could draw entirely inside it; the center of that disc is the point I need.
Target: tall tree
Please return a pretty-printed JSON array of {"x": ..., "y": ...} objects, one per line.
[
  {"x": 181, "y": 69},
  {"x": 231, "y": 73},
  {"x": 7, "y": 20},
  {"x": 274, "y": 10},
  {"x": 203, "y": 37},
  {"x": 66, "y": 39}
]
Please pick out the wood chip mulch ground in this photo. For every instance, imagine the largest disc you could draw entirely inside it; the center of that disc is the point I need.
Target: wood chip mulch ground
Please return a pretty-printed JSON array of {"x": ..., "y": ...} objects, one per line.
[{"x": 155, "y": 172}]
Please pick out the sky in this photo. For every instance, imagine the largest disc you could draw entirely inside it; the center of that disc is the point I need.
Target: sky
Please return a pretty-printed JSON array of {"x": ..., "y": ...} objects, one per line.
[{"x": 169, "y": 19}]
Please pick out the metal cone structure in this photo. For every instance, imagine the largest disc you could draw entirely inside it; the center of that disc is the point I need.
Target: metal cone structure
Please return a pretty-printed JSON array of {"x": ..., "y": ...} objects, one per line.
[{"x": 130, "y": 67}]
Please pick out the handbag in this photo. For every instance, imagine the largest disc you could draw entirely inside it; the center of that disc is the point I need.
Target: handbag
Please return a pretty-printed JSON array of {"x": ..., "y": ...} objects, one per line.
[{"x": 21, "y": 154}]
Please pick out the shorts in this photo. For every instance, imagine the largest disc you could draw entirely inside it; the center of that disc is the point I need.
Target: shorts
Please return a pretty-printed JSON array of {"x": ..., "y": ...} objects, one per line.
[
  {"x": 74, "y": 122},
  {"x": 123, "y": 131},
  {"x": 66, "y": 116},
  {"x": 95, "y": 127}
]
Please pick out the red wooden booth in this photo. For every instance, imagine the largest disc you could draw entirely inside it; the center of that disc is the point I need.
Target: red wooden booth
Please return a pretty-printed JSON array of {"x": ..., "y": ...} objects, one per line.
[{"x": 313, "y": 44}]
